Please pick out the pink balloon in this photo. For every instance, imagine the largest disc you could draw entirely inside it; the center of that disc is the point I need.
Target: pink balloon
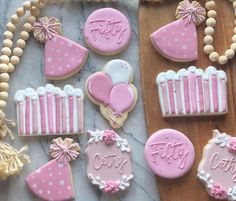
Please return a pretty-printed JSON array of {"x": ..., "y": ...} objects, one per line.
[
  {"x": 99, "y": 86},
  {"x": 121, "y": 98}
]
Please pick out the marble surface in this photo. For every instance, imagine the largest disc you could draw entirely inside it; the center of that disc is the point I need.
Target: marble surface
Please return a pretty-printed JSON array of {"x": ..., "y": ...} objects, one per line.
[{"x": 30, "y": 74}]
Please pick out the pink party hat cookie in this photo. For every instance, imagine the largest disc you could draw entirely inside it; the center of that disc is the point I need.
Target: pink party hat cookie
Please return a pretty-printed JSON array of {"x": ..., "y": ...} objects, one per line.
[
  {"x": 178, "y": 40},
  {"x": 217, "y": 169},
  {"x": 63, "y": 57},
  {"x": 54, "y": 181}
]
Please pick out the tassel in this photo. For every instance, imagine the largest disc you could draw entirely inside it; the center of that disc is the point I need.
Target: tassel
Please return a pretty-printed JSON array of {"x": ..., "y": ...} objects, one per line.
[
  {"x": 4, "y": 123},
  {"x": 12, "y": 161}
]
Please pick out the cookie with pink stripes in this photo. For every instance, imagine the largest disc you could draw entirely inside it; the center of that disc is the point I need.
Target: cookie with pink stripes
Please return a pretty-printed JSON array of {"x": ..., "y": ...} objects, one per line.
[
  {"x": 63, "y": 57},
  {"x": 192, "y": 92},
  {"x": 54, "y": 181},
  {"x": 50, "y": 110}
]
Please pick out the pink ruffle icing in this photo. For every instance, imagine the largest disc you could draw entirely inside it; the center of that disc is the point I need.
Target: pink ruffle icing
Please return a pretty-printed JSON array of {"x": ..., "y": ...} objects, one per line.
[
  {"x": 218, "y": 192},
  {"x": 109, "y": 137},
  {"x": 112, "y": 187}
]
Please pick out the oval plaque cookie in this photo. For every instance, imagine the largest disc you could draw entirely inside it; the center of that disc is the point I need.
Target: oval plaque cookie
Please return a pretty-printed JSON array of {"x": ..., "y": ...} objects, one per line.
[
  {"x": 217, "y": 170},
  {"x": 108, "y": 161},
  {"x": 169, "y": 153}
]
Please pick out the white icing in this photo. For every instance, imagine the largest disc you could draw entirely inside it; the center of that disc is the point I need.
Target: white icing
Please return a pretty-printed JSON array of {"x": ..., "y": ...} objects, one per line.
[
  {"x": 33, "y": 95},
  {"x": 163, "y": 78},
  {"x": 119, "y": 71}
]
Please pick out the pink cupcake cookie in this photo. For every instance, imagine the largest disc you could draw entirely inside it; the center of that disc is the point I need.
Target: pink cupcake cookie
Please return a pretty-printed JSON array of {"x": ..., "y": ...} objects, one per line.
[
  {"x": 113, "y": 91},
  {"x": 63, "y": 57},
  {"x": 107, "y": 31},
  {"x": 217, "y": 169},
  {"x": 50, "y": 110},
  {"x": 178, "y": 40},
  {"x": 108, "y": 161},
  {"x": 169, "y": 153},
  {"x": 54, "y": 181}
]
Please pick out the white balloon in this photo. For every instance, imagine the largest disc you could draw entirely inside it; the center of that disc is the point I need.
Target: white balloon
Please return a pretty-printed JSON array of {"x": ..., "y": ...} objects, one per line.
[{"x": 119, "y": 71}]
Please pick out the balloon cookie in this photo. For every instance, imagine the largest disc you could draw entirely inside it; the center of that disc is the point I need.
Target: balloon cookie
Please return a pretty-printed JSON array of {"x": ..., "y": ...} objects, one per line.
[
  {"x": 178, "y": 40},
  {"x": 217, "y": 170},
  {"x": 108, "y": 161},
  {"x": 107, "y": 31},
  {"x": 63, "y": 57},
  {"x": 193, "y": 92},
  {"x": 112, "y": 90},
  {"x": 50, "y": 111},
  {"x": 54, "y": 181},
  {"x": 169, "y": 153}
]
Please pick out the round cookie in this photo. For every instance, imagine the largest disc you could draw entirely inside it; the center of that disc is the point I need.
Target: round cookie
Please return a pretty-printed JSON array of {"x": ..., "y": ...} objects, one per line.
[
  {"x": 169, "y": 153},
  {"x": 107, "y": 31}
]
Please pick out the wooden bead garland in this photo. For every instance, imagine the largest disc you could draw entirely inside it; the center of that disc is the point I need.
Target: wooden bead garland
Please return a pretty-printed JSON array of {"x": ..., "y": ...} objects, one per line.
[{"x": 208, "y": 39}]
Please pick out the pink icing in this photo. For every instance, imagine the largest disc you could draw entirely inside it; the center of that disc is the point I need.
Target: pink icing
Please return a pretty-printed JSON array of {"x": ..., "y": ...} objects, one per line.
[
  {"x": 71, "y": 113},
  {"x": 63, "y": 58},
  {"x": 200, "y": 93},
  {"x": 232, "y": 145},
  {"x": 50, "y": 113},
  {"x": 35, "y": 117},
  {"x": 171, "y": 96},
  {"x": 80, "y": 114},
  {"x": 99, "y": 86},
  {"x": 112, "y": 187},
  {"x": 193, "y": 82},
  {"x": 43, "y": 114},
  {"x": 121, "y": 98},
  {"x": 52, "y": 182},
  {"x": 165, "y": 100},
  {"x": 207, "y": 95},
  {"x": 58, "y": 113},
  {"x": 21, "y": 117},
  {"x": 109, "y": 137},
  {"x": 178, "y": 96},
  {"x": 27, "y": 116},
  {"x": 169, "y": 153},
  {"x": 223, "y": 94},
  {"x": 107, "y": 31},
  {"x": 218, "y": 192},
  {"x": 63, "y": 115},
  {"x": 177, "y": 41},
  {"x": 186, "y": 94},
  {"x": 215, "y": 93}
]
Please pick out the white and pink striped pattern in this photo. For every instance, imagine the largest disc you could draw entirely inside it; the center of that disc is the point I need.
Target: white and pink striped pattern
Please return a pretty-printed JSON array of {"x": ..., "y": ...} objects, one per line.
[
  {"x": 192, "y": 92},
  {"x": 50, "y": 111}
]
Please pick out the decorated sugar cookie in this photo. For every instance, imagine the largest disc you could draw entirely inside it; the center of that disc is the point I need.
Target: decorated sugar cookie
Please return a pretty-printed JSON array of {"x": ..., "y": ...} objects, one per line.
[
  {"x": 169, "y": 153},
  {"x": 63, "y": 57},
  {"x": 54, "y": 181},
  {"x": 192, "y": 92},
  {"x": 50, "y": 111},
  {"x": 107, "y": 31},
  {"x": 108, "y": 161},
  {"x": 112, "y": 90},
  {"x": 178, "y": 40},
  {"x": 217, "y": 170}
]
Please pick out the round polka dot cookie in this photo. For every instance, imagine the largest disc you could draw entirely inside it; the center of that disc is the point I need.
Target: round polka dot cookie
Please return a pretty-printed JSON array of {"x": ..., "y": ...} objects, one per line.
[
  {"x": 107, "y": 31},
  {"x": 63, "y": 57}
]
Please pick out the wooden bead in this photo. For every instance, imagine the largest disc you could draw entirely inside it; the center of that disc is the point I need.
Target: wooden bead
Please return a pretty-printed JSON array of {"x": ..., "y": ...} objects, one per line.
[
  {"x": 3, "y": 68},
  {"x": 234, "y": 38},
  {"x": 18, "y": 51},
  {"x": 234, "y": 4},
  {"x": 235, "y": 30},
  {"x": 20, "y": 11},
  {"x": 24, "y": 35},
  {"x": 214, "y": 56},
  {"x": 3, "y": 95},
  {"x": 34, "y": 11},
  {"x": 15, "y": 19},
  {"x": 208, "y": 49},
  {"x": 35, "y": 3},
  {"x": 11, "y": 27},
  {"x": 233, "y": 46},
  {"x": 211, "y": 22},
  {"x": 209, "y": 31},
  {"x": 4, "y": 77},
  {"x": 7, "y": 43},
  {"x": 3, "y": 104},
  {"x": 27, "y": 5},
  {"x": 223, "y": 60},
  {"x": 229, "y": 53},
  {"x": 43, "y": 1},
  {"x": 21, "y": 43},
  {"x": 41, "y": 5},
  {"x": 8, "y": 35},
  {"x": 212, "y": 13},
  {"x": 15, "y": 60},
  {"x": 6, "y": 51},
  {"x": 11, "y": 67},
  {"x": 4, "y": 86},
  {"x": 31, "y": 19},
  {"x": 210, "y": 5},
  {"x": 208, "y": 40},
  {"x": 4, "y": 59},
  {"x": 27, "y": 27}
]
